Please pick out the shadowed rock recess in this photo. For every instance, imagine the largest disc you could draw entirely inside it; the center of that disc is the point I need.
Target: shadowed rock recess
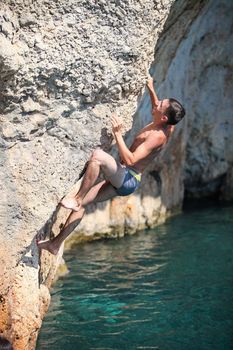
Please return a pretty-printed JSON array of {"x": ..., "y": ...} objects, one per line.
[{"x": 65, "y": 66}]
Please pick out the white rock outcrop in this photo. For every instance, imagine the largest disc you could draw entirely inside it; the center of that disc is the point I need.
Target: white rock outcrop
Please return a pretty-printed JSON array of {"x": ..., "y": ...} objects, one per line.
[{"x": 64, "y": 68}]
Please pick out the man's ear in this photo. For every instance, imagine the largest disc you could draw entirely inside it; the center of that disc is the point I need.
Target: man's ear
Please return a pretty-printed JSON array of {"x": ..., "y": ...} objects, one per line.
[{"x": 164, "y": 118}]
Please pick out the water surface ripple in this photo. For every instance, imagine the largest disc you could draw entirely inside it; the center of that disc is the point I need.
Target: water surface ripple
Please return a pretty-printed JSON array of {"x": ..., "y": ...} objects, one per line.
[{"x": 167, "y": 288}]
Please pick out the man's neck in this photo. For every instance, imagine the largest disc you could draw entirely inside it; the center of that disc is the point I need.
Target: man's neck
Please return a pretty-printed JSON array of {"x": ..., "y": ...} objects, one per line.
[{"x": 157, "y": 124}]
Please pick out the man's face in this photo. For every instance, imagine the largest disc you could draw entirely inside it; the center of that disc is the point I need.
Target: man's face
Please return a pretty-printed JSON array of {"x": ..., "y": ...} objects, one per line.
[{"x": 161, "y": 108}]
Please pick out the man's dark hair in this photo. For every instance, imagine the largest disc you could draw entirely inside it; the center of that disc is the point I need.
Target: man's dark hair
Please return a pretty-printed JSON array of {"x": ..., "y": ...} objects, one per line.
[
  {"x": 175, "y": 112},
  {"x": 5, "y": 344}
]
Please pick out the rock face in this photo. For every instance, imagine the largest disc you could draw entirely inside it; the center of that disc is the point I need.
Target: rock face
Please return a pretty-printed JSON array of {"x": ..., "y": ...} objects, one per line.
[
  {"x": 64, "y": 68},
  {"x": 197, "y": 68}
]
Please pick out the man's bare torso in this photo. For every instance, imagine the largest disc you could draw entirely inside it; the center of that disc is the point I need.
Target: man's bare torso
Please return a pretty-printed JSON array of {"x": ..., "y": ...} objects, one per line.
[{"x": 150, "y": 131}]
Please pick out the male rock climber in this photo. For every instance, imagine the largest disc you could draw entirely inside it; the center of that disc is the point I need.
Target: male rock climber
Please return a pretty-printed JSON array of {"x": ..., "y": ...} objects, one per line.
[{"x": 121, "y": 178}]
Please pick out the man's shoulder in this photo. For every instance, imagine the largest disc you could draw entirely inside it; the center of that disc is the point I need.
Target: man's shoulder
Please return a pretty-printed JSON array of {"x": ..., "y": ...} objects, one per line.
[
  {"x": 156, "y": 134},
  {"x": 155, "y": 139}
]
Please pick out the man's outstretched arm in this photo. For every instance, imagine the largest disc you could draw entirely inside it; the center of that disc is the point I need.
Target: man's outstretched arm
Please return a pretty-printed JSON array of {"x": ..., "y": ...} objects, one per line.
[{"x": 153, "y": 96}]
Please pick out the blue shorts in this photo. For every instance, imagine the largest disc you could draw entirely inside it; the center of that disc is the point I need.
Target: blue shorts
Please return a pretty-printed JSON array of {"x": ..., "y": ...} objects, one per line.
[{"x": 131, "y": 182}]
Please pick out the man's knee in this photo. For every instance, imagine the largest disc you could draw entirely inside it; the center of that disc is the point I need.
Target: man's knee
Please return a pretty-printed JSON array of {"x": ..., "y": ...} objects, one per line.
[{"x": 97, "y": 156}]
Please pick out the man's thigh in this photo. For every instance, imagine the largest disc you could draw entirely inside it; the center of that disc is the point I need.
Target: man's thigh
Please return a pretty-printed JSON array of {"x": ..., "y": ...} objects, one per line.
[
  {"x": 100, "y": 193},
  {"x": 113, "y": 171}
]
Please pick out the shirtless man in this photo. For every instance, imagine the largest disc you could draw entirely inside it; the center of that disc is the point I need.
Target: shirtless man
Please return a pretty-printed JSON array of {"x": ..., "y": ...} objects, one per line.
[{"x": 121, "y": 179}]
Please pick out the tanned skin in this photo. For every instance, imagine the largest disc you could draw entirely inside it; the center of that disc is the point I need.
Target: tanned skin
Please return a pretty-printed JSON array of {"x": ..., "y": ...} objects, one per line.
[{"x": 145, "y": 147}]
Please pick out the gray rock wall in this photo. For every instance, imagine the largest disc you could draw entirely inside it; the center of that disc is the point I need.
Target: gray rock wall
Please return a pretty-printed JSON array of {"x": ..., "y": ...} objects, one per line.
[{"x": 197, "y": 68}]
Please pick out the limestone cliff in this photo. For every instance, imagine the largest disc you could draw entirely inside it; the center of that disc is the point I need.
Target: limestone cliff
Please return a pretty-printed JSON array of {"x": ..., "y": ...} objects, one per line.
[{"x": 65, "y": 66}]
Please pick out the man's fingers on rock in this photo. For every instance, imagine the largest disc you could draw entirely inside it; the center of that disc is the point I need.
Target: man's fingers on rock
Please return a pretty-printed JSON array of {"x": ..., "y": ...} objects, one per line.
[{"x": 113, "y": 121}]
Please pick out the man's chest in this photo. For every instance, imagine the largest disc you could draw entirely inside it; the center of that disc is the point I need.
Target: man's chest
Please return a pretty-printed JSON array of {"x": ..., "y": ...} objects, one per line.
[
  {"x": 144, "y": 134},
  {"x": 140, "y": 138}
]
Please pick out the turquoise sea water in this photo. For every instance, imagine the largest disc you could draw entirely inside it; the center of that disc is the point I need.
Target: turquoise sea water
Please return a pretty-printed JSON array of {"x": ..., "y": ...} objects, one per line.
[{"x": 170, "y": 288}]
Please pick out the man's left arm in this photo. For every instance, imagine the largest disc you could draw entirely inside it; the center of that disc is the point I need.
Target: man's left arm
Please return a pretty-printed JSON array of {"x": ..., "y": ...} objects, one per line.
[{"x": 153, "y": 96}]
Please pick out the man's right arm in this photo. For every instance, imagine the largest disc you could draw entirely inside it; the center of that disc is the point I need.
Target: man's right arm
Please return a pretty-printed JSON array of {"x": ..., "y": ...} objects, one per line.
[{"x": 153, "y": 97}]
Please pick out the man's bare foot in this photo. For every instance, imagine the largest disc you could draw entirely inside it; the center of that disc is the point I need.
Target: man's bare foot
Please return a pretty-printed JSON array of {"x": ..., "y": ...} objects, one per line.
[
  {"x": 48, "y": 245},
  {"x": 71, "y": 203}
]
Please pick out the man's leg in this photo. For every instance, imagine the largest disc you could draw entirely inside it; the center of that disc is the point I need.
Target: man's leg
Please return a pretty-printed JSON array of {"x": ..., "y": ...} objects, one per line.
[
  {"x": 54, "y": 244},
  {"x": 113, "y": 172},
  {"x": 99, "y": 193}
]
